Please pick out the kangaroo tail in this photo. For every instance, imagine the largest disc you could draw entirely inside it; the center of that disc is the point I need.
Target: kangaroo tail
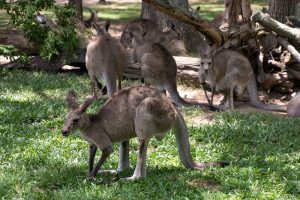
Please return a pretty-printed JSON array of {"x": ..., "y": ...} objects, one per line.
[
  {"x": 252, "y": 89},
  {"x": 179, "y": 101},
  {"x": 182, "y": 138}
]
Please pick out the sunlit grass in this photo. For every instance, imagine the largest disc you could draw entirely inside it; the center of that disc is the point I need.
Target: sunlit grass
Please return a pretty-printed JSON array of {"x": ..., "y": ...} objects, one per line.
[{"x": 117, "y": 12}]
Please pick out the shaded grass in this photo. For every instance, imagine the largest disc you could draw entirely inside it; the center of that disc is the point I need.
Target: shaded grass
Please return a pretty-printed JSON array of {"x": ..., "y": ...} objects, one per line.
[{"x": 36, "y": 162}]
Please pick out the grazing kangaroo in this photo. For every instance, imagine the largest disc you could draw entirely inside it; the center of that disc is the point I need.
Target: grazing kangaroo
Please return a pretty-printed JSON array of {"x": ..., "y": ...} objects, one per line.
[
  {"x": 150, "y": 33},
  {"x": 158, "y": 66},
  {"x": 293, "y": 107},
  {"x": 140, "y": 112},
  {"x": 229, "y": 70}
]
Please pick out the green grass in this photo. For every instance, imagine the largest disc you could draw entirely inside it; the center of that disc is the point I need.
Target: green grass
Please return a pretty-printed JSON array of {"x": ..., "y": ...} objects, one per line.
[
  {"x": 116, "y": 12},
  {"x": 124, "y": 12},
  {"x": 211, "y": 8},
  {"x": 36, "y": 162}
]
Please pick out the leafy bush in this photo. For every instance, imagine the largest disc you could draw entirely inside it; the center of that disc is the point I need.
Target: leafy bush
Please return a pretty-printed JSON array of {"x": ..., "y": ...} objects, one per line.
[
  {"x": 61, "y": 38},
  {"x": 11, "y": 52}
]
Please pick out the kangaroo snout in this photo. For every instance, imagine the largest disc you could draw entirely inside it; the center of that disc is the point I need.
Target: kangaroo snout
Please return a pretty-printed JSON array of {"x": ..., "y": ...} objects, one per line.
[{"x": 65, "y": 133}]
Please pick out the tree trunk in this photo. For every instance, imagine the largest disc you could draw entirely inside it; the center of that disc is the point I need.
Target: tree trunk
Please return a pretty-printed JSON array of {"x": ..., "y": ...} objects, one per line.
[
  {"x": 77, "y": 4},
  {"x": 279, "y": 10},
  {"x": 189, "y": 34},
  {"x": 193, "y": 38},
  {"x": 236, "y": 10}
]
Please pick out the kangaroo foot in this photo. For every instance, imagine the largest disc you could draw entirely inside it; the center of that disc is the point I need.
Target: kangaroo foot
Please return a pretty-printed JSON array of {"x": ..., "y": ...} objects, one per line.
[{"x": 131, "y": 178}]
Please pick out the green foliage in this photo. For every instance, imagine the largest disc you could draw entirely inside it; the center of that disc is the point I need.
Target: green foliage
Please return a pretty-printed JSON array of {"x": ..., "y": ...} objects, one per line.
[
  {"x": 11, "y": 52},
  {"x": 36, "y": 162},
  {"x": 61, "y": 38}
]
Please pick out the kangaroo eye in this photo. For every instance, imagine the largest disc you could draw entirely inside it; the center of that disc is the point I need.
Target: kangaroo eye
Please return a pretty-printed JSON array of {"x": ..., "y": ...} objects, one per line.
[{"x": 75, "y": 120}]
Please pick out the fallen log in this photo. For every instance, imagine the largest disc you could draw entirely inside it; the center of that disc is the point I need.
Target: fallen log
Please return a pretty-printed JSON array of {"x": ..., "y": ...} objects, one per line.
[
  {"x": 279, "y": 28},
  {"x": 295, "y": 54},
  {"x": 18, "y": 40}
]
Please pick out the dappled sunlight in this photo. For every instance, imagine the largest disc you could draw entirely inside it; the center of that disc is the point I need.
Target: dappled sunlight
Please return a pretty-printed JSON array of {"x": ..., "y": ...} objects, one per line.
[{"x": 22, "y": 96}]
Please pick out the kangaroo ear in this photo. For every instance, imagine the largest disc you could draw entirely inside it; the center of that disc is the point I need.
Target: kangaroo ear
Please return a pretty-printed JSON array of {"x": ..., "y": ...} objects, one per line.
[
  {"x": 213, "y": 49},
  {"x": 87, "y": 103},
  {"x": 72, "y": 100}
]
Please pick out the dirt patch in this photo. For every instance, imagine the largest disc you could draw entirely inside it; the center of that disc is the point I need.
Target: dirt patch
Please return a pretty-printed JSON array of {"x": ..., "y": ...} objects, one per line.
[{"x": 197, "y": 94}]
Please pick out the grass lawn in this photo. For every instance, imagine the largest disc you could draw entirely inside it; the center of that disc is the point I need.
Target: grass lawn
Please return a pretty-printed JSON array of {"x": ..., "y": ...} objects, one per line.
[{"x": 36, "y": 162}]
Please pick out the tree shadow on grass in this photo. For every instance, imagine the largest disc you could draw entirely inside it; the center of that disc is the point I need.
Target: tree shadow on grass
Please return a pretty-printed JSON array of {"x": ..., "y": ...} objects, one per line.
[
  {"x": 263, "y": 149},
  {"x": 163, "y": 183}
]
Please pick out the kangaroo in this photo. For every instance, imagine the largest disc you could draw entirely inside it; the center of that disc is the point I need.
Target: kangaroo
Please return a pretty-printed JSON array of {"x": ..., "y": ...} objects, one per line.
[
  {"x": 158, "y": 66},
  {"x": 106, "y": 58},
  {"x": 141, "y": 112},
  {"x": 293, "y": 107},
  {"x": 92, "y": 20},
  {"x": 229, "y": 70},
  {"x": 150, "y": 32}
]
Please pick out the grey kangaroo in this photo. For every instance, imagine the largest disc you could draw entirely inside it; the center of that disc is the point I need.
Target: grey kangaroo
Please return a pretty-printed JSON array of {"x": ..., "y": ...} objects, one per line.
[
  {"x": 140, "y": 112},
  {"x": 150, "y": 32},
  {"x": 229, "y": 70},
  {"x": 158, "y": 66},
  {"x": 293, "y": 107},
  {"x": 92, "y": 20},
  {"x": 106, "y": 58}
]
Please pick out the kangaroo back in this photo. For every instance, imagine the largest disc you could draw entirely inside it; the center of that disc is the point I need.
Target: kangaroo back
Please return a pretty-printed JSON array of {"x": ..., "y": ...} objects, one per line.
[
  {"x": 159, "y": 69},
  {"x": 151, "y": 33},
  {"x": 293, "y": 107}
]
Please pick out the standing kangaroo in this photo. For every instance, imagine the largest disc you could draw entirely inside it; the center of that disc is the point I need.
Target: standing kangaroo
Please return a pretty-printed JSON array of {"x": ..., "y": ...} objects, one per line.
[
  {"x": 157, "y": 65},
  {"x": 106, "y": 58},
  {"x": 141, "y": 112},
  {"x": 229, "y": 70},
  {"x": 151, "y": 33},
  {"x": 92, "y": 20}
]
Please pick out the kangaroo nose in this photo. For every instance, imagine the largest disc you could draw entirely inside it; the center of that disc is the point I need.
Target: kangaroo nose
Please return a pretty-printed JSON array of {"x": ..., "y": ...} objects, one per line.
[{"x": 65, "y": 133}]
